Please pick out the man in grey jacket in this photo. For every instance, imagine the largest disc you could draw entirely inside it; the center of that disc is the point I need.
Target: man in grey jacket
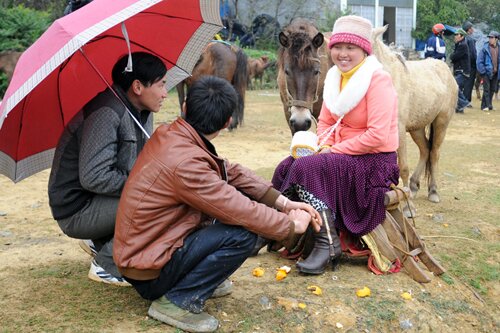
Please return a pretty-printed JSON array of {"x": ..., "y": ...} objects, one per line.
[{"x": 96, "y": 153}]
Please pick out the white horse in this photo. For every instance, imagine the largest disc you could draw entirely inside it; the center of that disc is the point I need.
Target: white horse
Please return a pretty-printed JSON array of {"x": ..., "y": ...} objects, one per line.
[{"x": 427, "y": 98}]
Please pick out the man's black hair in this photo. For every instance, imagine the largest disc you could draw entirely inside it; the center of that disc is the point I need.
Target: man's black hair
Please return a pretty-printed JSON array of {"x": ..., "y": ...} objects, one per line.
[
  {"x": 146, "y": 68},
  {"x": 210, "y": 102}
]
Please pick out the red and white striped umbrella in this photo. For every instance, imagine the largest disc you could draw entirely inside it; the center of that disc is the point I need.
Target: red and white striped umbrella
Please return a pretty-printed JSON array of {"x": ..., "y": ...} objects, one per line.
[{"x": 66, "y": 67}]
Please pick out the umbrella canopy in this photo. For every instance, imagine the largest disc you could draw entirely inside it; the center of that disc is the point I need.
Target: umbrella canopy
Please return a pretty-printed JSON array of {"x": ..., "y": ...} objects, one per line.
[
  {"x": 68, "y": 65},
  {"x": 449, "y": 30}
]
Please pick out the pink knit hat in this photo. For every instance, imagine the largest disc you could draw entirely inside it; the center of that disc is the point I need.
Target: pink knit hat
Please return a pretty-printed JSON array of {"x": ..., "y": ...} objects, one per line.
[{"x": 352, "y": 29}]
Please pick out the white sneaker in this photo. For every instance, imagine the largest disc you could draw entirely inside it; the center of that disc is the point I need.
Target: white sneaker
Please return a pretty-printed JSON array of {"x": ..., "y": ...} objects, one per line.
[
  {"x": 97, "y": 273},
  {"x": 88, "y": 246}
]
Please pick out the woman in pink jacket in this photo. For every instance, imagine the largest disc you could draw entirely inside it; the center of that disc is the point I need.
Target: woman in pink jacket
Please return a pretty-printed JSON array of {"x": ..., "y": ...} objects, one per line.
[{"x": 358, "y": 132}]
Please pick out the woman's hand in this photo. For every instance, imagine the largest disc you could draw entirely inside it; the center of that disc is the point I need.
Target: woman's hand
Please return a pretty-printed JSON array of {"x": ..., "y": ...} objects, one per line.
[{"x": 325, "y": 150}]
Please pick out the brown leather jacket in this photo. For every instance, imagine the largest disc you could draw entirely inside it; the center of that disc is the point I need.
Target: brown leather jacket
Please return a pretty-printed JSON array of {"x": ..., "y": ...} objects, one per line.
[{"x": 178, "y": 185}]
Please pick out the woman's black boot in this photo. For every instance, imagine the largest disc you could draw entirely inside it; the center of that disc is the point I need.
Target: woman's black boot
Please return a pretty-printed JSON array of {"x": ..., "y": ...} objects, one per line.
[{"x": 326, "y": 249}]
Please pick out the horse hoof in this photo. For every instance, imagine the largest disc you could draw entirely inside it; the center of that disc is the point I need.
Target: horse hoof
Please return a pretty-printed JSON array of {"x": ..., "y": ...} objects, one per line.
[
  {"x": 414, "y": 189},
  {"x": 434, "y": 197},
  {"x": 410, "y": 211}
]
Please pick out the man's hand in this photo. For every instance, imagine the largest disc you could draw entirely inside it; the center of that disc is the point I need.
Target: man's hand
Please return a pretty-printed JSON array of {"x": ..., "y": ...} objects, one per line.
[
  {"x": 316, "y": 217},
  {"x": 302, "y": 218}
]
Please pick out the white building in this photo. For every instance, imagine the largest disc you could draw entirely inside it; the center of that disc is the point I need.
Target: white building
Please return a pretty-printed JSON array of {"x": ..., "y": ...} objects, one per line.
[{"x": 399, "y": 14}]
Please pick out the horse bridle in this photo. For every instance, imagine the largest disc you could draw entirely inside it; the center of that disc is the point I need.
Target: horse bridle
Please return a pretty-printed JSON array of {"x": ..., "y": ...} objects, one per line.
[{"x": 297, "y": 102}]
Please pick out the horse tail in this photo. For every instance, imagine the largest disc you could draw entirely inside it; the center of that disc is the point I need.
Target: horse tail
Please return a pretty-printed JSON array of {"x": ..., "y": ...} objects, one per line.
[
  {"x": 240, "y": 80},
  {"x": 428, "y": 164},
  {"x": 180, "y": 93}
]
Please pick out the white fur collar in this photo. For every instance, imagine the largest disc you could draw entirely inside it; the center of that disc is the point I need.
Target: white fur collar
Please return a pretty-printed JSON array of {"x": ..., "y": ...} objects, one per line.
[{"x": 341, "y": 102}]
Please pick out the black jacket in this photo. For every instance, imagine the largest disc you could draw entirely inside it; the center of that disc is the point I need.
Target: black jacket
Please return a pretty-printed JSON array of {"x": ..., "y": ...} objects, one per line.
[
  {"x": 460, "y": 58},
  {"x": 471, "y": 44}
]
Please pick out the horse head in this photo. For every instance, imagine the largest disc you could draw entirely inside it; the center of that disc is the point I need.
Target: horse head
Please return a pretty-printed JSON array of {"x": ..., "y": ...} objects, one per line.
[
  {"x": 301, "y": 73},
  {"x": 388, "y": 56}
]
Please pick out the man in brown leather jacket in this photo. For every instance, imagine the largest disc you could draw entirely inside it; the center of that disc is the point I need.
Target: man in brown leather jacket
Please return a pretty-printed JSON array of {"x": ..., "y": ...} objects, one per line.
[{"x": 187, "y": 218}]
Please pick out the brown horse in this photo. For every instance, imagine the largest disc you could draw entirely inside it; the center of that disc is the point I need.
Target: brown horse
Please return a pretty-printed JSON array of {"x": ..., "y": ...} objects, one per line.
[
  {"x": 427, "y": 96},
  {"x": 256, "y": 68},
  {"x": 225, "y": 61},
  {"x": 303, "y": 60},
  {"x": 8, "y": 60}
]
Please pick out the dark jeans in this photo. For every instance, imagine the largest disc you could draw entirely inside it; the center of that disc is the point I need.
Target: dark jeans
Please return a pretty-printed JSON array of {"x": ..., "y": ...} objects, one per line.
[
  {"x": 490, "y": 86},
  {"x": 208, "y": 257},
  {"x": 469, "y": 84},
  {"x": 96, "y": 221},
  {"x": 462, "y": 101}
]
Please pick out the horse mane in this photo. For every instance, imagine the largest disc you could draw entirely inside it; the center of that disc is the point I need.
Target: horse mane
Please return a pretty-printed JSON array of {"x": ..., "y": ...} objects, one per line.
[
  {"x": 384, "y": 51},
  {"x": 300, "y": 32}
]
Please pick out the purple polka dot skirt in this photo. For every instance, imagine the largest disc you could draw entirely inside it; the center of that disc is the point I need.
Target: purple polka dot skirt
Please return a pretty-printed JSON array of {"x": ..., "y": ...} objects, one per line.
[{"x": 352, "y": 186}]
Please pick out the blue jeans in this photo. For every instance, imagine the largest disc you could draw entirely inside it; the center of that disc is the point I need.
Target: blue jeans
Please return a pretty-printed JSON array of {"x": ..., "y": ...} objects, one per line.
[
  {"x": 462, "y": 100},
  {"x": 207, "y": 258}
]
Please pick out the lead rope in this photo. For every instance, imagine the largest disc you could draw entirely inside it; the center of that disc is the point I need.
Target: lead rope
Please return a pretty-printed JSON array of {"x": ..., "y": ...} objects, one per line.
[
  {"x": 407, "y": 200},
  {"x": 329, "y": 131}
]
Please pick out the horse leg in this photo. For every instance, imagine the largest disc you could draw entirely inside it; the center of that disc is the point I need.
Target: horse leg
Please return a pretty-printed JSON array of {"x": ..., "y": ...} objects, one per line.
[
  {"x": 439, "y": 127},
  {"x": 404, "y": 172},
  {"x": 422, "y": 143}
]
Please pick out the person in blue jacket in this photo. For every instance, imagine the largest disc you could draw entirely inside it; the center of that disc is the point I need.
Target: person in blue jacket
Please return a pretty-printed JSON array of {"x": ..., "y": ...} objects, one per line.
[
  {"x": 488, "y": 60},
  {"x": 435, "y": 46}
]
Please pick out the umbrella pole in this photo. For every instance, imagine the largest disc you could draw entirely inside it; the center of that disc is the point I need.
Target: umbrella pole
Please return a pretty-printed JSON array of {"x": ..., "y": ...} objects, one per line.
[{"x": 114, "y": 93}]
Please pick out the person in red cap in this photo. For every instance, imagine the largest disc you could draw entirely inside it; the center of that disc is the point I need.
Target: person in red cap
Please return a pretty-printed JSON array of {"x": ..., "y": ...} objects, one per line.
[
  {"x": 358, "y": 134},
  {"x": 436, "y": 47}
]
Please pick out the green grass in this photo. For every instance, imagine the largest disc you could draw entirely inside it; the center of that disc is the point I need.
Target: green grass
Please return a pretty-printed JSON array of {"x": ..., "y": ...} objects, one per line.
[
  {"x": 448, "y": 307},
  {"x": 474, "y": 267},
  {"x": 380, "y": 310},
  {"x": 448, "y": 279}
]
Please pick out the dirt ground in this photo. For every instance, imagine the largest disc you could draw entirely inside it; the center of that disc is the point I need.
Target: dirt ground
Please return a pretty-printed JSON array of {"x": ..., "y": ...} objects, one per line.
[{"x": 43, "y": 284}]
